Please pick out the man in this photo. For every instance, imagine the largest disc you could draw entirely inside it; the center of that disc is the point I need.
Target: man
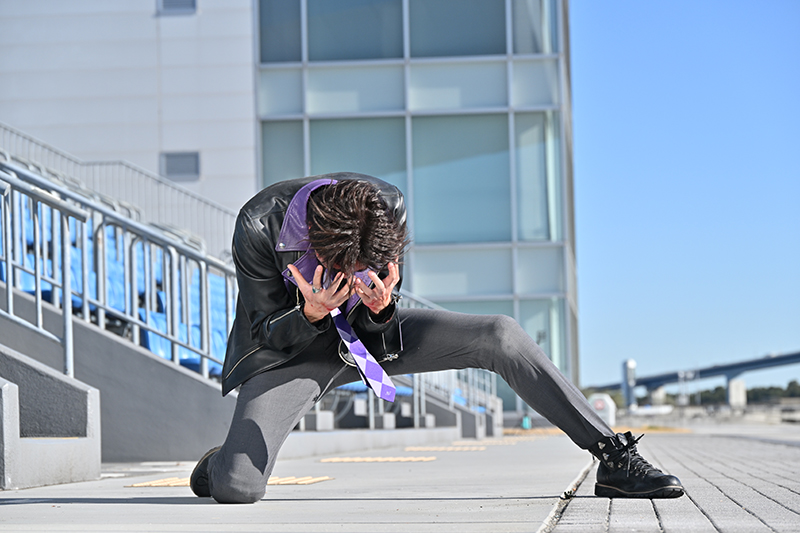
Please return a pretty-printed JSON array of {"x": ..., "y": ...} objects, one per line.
[{"x": 312, "y": 252}]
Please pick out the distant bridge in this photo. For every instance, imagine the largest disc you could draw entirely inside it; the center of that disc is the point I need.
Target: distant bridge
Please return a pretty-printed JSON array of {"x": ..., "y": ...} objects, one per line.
[{"x": 729, "y": 370}]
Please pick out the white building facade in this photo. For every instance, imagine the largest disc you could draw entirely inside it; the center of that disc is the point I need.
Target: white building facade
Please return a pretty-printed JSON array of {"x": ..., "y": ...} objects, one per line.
[{"x": 463, "y": 104}]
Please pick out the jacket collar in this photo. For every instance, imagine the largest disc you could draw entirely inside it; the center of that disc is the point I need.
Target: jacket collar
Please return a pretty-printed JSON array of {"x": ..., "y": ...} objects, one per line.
[{"x": 294, "y": 230}]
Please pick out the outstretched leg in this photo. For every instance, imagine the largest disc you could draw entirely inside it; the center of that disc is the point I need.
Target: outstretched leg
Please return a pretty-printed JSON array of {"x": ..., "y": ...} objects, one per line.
[{"x": 440, "y": 340}]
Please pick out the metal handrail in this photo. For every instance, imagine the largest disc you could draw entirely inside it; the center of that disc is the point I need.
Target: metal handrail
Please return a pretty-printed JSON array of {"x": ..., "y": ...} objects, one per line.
[
  {"x": 151, "y": 233},
  {"x": 179, "y": 261},
  {"x": 11, "y": 184},
  {"x": 161, "y": 200}
]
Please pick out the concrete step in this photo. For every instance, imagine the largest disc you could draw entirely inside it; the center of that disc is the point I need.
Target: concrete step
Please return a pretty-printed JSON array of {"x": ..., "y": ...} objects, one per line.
[{"x": 49, "y": 425}]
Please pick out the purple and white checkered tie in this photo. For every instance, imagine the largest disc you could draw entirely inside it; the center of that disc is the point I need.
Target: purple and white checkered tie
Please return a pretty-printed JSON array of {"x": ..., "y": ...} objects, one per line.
[{"x": 371, "y": 372}]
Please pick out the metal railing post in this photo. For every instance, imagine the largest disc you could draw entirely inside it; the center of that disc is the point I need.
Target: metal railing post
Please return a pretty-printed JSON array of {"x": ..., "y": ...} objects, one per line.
[
  {"x": 85, "y": 270},
  {"x": 205, "y": 323},
  {"x": 5, "y": 189},
  {"x": 100, "y": 258},
  {"x": 37, "y": 267},
  {"x": 172, "y": 299},
  {"x": 415, "y": 380},
  {"x": 371, "y": 409},
  {"x": 66, "y": 295}
]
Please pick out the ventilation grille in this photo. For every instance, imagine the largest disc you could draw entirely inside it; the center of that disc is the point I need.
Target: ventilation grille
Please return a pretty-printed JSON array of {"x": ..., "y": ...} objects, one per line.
[
  {"x": 181, "y": 166},
  {"x": 177, "y": 7}
]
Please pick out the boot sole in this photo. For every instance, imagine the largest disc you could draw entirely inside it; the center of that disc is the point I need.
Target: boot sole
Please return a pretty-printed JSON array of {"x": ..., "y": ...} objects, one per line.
[
  {"x": 605, "y": 491},
  {"x": 201, "y": 492}
]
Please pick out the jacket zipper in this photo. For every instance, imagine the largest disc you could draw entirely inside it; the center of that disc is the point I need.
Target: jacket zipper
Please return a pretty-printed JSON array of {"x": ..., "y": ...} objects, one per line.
[
  {"x": 284, "y": 315},
  {"x": 245, "y": 356},
  {"x": 261, "y": 345}
]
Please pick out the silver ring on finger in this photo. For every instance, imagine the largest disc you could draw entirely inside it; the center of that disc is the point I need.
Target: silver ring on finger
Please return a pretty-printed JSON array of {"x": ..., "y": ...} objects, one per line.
[{"x": 315, "y": 290}]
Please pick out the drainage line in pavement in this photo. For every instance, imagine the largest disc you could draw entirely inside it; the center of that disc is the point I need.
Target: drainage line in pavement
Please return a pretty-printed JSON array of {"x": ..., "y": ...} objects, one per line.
[{"x": 561, "y": 505}]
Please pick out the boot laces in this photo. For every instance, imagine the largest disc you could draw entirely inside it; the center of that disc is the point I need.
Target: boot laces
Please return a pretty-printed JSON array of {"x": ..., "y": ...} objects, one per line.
[{"x": 635, "y": 462}]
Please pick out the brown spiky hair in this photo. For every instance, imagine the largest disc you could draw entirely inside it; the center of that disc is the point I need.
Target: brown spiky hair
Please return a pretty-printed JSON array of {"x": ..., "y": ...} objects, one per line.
[{"x": 350, "y": 227}]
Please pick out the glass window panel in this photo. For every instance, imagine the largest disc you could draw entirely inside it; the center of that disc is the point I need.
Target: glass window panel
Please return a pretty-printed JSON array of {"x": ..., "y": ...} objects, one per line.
[
  {"x": 461, "y": 179},
  {"x": 458, "y": 86},
  {"x": 439, "y": 273},
  {"x": 534, "y": 26},
  {"x": 555, "y": 177},
  {"x": 373, "y": 146},
  {"x": 457, "y": 27},
  {"x": 280, "y": 92},
  {"x": 531, "y": 161},
  {"x": 354, "y": 89},
  {"x": 491, "y": 307},
  {"x": 279, "y": 30},
  {"x": 575, "y": 351},
  {"x": 535, "y": 83},
  {"x": 543, "y": 320},
  {"x": 511, "y": 402},
  {"x": 282, "y": 150},
  {"x": 540, "y": 270},
  {"x": 354, "y": 29}
]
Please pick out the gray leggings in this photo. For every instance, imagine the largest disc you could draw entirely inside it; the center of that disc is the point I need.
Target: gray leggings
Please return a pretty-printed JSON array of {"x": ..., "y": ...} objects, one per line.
[{"x": 271, "y": 404}]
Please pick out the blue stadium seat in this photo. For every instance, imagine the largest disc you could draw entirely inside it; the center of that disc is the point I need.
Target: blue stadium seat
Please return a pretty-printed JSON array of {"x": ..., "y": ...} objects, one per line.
[
  {"x": 162, "y": 347},
  {"x": 156, "y": 264},
  {"x": 458, "y": 398},
  {"x": 27, "y": 282},
  {"x": 76, "y": 268},
  {"x": 2, "y": 236},
  {"x": 358, "y": 386}
]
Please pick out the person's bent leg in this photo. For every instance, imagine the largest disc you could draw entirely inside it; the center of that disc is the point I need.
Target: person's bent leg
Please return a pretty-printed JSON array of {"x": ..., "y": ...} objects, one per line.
[
  {"x": 264, "y": 416},
  {"x": 268, "y": 407}
]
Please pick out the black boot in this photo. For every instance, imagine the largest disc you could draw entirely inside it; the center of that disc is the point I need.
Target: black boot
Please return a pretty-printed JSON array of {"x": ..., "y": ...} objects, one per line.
[
  {"x": 199, "y": 478},
  {"x": 623, "y": 473}
]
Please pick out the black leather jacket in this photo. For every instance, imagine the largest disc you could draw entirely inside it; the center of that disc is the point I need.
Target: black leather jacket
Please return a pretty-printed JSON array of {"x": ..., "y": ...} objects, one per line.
[{"x": 270, "y": 327}]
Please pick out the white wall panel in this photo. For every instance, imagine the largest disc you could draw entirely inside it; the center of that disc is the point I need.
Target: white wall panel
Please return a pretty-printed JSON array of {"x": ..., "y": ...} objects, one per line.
[
  {"x": 225, "y": 106},
  {"x": 113, "y": 139},
  {"x": 83, "y": 111},
  {"x": 199, "y": 51},
  {"x": 220, "y": 161},
  {"x": 208, "y": 24},
  {"x": 66, "y": 84},
  {"x": 194, "y": 136},
  {"x": 230, "y": 190},
  {"x": 71, "y": 56},
  {"x": 215, "y": 79},
  {"x": 16, "y": 8},
  {"x": 78, "y": 28}
]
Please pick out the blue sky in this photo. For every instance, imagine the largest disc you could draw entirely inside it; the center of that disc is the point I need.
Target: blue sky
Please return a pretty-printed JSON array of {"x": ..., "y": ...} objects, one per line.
[{"x": 686, "y": 118}]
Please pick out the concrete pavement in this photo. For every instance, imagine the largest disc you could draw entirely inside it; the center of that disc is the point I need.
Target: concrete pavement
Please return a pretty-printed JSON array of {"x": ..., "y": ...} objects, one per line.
[{"x": 734, "y": 483}]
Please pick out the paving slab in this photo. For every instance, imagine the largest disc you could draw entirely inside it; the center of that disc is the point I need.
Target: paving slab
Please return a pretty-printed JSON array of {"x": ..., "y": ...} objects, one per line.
[
  {"x": 510, "y": 485},
  {"x": 734, "y": 483}
]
